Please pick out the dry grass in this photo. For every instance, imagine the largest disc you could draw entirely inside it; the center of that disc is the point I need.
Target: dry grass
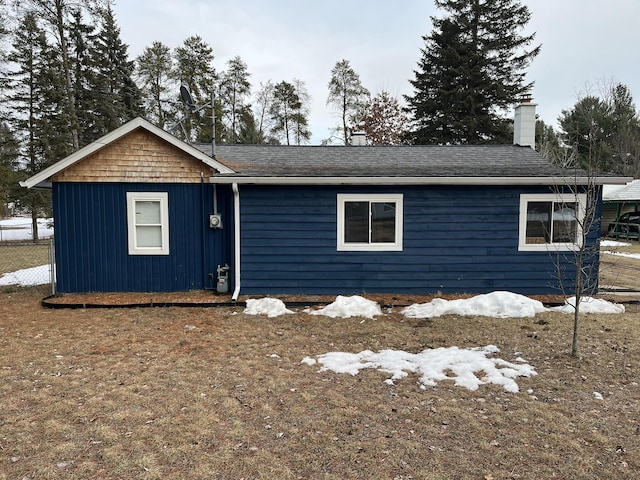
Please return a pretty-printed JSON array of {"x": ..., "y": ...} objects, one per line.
[
  {"x": 618, "y": 271},
  {"x": 16, "y": 256},
  {"x": 132, "y": 393}
]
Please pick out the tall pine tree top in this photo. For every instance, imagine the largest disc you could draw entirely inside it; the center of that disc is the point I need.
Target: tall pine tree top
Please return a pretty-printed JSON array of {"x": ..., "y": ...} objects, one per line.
[{"x": 471, "y": 70}]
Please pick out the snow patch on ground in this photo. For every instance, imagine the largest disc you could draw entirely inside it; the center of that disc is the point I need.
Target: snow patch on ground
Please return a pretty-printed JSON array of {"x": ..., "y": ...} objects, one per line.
[
  {"x": 272, "y": 307},
  {"x": 346, "y": 307},
  {"x": 468, "y": 368},
  {"x": 590, "y": 305},
  {"x": 28, "y": 277},
  {"x": 19, "y": 228},
  {"x": 495, "y": 304},
  {"x": 623, "y": 254},
  {"x": 613, "y": 243}
]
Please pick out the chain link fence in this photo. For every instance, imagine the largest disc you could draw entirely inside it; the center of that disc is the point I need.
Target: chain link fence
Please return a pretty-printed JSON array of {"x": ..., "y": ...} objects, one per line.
[{"x": 24, "y": 264}]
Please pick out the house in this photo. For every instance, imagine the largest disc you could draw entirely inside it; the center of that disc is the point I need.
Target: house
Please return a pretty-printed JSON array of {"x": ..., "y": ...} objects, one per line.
[
  {"x": 139, "y": 210},
  {"x": 617, "y": 200}
]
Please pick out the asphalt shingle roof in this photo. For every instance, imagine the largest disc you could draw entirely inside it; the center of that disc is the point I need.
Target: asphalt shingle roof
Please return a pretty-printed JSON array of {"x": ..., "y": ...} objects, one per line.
[
  {"x": 628, "y": 193},
  {"x": 384, "y": 161}
]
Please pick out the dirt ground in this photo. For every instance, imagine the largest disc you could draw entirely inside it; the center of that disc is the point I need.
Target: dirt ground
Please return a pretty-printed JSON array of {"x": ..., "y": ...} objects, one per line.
[{"x": 213, "y": 393}]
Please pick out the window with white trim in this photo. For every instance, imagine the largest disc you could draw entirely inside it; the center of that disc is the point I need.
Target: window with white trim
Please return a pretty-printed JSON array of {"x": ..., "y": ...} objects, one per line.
[
  {"x": 551, "y": 221},
  {"x": 148, "y": 223},
  {"x": 369, "y": 222}
]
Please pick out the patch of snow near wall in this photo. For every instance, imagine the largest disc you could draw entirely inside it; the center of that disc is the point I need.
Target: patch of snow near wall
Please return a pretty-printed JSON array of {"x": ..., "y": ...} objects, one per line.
[
  {"x": 272, "y": 307},
  {"x": 590, "y": 305},
  {"x": 495, "y": 304},
  {"x": 463, "y": 366},
  {"x": 345, "y": 307}
]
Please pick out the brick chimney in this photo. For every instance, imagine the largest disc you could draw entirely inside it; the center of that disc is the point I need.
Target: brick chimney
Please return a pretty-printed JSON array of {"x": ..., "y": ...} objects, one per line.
[{"x": 524, "y": 123}]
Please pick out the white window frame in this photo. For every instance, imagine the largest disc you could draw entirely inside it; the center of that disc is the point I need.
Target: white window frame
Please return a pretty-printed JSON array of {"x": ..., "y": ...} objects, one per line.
[
  {"x": 163, "y": 198},
  {"x": 580, "y": 199},
  {"x": 395, "y": 246}
]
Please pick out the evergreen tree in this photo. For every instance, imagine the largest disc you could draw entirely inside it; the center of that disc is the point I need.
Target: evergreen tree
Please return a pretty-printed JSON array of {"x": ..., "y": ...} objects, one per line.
[
  {"x": 550, "y": 146},
  {"x": 9, "y": 155},
  {"x": 154, "y": 69},
  {"x": 119, "y": 99},
  {"x": 471, "y": 70},
  {"x": 234, "y": 91},
  {"x": 37, "y": 94},
  {"x": 194, "y": 70},
  {"x": 248, "y": 132},
  {"x": 347, "y": 96},
  {"x": 86, "y": 94},
  {"x": 284, "y": 110},
  {"x": 56, "y": 17},
  {"x": 603, "y": 132}
]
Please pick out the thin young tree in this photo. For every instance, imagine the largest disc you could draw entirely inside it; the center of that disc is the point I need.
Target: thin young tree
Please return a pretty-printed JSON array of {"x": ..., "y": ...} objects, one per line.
[
  {"x": 301, "y": 132},
  {"x": 347, "y": 96},
  {"x": 579, "y": 192},
  {"x": 263, "y": 99}
]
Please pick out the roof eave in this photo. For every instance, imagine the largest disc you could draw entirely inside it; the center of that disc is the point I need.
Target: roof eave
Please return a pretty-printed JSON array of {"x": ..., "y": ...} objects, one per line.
[{"x": 415, "y": 180}]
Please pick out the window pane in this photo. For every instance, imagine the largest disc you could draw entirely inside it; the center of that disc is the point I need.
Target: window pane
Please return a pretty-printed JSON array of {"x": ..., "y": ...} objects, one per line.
[
  {"x": 149, "y": 237},
  {"x": 356, "y": 222},
  {"x": 147, "y": 212},
  {"x": 383, "y": 222},
  {"x": 565, "y": 225},
  {"x": 538, "y": 222}
]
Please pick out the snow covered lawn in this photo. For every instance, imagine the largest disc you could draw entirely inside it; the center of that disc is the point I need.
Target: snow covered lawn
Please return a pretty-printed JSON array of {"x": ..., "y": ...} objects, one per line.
[{"x": 19, "y": 228}]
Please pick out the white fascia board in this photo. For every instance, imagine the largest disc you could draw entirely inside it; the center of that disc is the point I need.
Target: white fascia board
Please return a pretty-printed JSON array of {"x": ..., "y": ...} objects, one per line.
[
  {"x": 418, "y": 180},
  {"x": 42, "y": 177}
]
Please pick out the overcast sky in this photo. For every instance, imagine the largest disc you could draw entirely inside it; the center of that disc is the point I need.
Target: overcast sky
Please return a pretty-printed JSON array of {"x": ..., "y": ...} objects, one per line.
[{"x": 585, "y": 43}]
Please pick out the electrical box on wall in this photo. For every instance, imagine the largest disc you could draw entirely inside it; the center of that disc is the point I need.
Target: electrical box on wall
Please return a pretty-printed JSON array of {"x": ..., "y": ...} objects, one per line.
[{"x": 215, "y": 221}]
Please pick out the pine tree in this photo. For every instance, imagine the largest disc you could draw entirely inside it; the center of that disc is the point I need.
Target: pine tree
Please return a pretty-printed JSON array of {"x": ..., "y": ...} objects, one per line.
[
  {"x": 470, "y": 72},
  {"x": 234, "y": 91},
  {"x": 118, "y": 97},
  {"x": 603, "y": 132},
  {"x": 154, "y": 70},
  {"x": 9, "y": 165},
  {"x": 193, "y": 69},
  {"x": 347, "y": 96},
  {"x": 284, "y": 109},
  {"x": 37, "y": 95}
]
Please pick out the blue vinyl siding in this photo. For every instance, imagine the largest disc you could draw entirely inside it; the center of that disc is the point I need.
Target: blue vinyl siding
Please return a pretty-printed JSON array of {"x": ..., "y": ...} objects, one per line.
[
  {"x": 456, "y": 240},
  {"x": 91, "y": 239}
]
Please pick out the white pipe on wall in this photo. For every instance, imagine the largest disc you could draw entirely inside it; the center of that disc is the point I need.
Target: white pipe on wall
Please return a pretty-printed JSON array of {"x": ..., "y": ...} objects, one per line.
[{"x": 236, "y": 241}]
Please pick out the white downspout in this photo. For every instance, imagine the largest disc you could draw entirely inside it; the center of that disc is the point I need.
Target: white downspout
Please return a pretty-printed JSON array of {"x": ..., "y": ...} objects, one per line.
[{"x": 236, "y": 241}]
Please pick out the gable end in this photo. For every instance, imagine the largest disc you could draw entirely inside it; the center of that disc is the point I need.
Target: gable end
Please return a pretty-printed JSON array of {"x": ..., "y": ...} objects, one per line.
[{"x": 139, "y": 156}]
